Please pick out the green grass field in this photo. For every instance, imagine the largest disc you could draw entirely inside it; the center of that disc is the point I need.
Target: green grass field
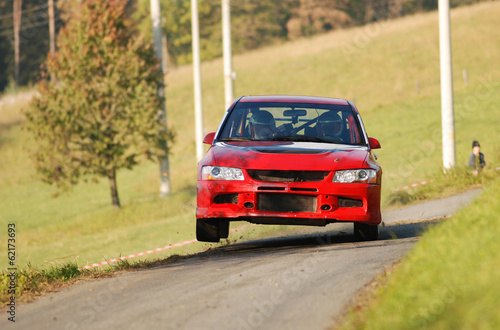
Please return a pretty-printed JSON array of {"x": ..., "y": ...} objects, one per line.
[
  {"x": 449, "y": 280},
  {"x": 376, "y": 66}
]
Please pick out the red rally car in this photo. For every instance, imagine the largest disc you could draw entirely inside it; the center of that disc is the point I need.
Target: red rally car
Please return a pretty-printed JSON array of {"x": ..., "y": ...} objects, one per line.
[{"x": 291, "y": 160}]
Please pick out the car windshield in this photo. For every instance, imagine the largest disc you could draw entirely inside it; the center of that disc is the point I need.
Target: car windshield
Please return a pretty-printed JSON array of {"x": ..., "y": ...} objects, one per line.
[{"x": 299, "y": 122}]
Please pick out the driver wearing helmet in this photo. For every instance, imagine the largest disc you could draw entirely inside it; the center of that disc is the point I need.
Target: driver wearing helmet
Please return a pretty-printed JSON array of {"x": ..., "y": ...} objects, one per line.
[
  {"x": 330, "y": 126},
  {"x": 262, "y": 125}
]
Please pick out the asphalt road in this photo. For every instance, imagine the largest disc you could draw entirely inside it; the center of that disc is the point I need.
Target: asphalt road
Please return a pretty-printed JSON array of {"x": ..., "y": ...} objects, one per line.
[{"x": 299, "y": 281}]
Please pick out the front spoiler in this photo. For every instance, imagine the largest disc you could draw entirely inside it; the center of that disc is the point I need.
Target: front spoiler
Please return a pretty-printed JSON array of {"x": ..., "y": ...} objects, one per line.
[{"x": 245, "y": 206}]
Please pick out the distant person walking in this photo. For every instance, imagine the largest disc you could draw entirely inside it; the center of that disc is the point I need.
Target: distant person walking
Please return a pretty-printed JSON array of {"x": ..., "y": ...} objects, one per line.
[{"x": 476, "y": 159}]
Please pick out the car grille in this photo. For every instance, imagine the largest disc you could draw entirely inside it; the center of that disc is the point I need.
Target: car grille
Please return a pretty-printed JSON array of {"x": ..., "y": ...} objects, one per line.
[
  {"x": 286, "y": 202},
  {"x": 287, "y": 176}
]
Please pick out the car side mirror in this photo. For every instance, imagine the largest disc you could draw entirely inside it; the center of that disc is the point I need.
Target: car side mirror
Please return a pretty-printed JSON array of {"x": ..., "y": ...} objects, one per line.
[
  {"x": 374, "y": 144},
  {"x": 209, "y": 138}
]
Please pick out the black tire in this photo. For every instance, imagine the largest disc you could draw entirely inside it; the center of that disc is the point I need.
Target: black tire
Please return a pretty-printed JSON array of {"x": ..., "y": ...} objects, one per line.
[
  {"x": 207, "y": 231},
  {"x": 365, "y": 232}
]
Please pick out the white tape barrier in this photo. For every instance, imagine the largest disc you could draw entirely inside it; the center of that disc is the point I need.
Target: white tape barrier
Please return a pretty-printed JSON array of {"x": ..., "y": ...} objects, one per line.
[
  {"x": 429, "y": 181},
  {"x": 168, "y": 247}
]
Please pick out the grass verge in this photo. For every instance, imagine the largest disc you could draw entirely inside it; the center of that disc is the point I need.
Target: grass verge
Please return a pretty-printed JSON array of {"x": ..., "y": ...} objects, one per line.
[
  {"x": 449, "y": 280},
  {"x": 31, "y": 282},
  {"x": 451, "y": 182}
]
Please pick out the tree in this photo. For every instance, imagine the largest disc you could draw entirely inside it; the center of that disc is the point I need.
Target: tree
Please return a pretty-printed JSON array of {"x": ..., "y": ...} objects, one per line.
[
  {"x": 5, "y": 49},
  {"x": 256, "y": 23},
  {"x": 311, "y": 17},
  {"x": 176, "y": 26},
  {"x": 18, "y": 16},
  {"x": 100, "y": 112}
]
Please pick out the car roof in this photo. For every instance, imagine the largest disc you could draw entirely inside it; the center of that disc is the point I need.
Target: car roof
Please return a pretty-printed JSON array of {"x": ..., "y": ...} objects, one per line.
[{"x": 293, "y": 99}]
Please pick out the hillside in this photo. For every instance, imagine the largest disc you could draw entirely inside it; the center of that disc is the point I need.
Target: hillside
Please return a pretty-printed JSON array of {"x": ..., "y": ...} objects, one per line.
[{"x": 378, "y": 66}]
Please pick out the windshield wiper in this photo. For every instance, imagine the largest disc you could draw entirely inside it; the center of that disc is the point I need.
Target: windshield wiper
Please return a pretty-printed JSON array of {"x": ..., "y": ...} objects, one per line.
[
  {"x": 297, "y": 138},
  {"x": 235, "y": 139}
]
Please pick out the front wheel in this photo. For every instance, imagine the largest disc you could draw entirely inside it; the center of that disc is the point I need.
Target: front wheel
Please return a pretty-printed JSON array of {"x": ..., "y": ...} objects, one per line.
[{"x": 365, "y": 232}]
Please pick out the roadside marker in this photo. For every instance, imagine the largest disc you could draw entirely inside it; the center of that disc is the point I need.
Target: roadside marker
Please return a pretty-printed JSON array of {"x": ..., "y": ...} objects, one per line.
[
  {"x": 413, "y": 185},
  {"x": 168, "y": 247}
]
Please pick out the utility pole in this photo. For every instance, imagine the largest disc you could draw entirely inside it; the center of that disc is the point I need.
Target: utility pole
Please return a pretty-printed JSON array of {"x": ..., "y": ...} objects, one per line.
[
  {"x": 52, "y": 28},
  {"x": 165, "y": 188},
  {"x": 164, "y": 60},
  {"x": 198, "y": 108},
  {"x": 447, "y": 120},
  {"x": 228, "y": 62},
  {"x": 52, "y": 32},
  {"x": 18, "y": 4}
]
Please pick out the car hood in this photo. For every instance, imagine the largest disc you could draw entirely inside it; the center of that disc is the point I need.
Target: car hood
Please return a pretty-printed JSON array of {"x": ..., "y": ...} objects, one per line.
[{"x": 298, "y": 156}]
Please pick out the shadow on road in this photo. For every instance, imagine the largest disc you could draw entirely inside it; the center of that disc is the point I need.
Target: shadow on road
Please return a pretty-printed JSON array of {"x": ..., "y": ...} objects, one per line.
[
  {"x": 338, "y": 239},
  {"x": 337, "y": 236}
]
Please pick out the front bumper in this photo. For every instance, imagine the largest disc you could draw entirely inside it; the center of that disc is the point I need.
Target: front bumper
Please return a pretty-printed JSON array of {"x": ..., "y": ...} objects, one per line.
[{"x": 302, "y": 203}]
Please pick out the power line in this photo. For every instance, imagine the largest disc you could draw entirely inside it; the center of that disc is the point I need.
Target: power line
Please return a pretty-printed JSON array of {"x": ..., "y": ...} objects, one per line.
[
  {"x": 25, "y": 27},
  {"x": 25, "y": 11},
  {"x": 29, "y": 10},
  {"x": 7, "y": 29}
]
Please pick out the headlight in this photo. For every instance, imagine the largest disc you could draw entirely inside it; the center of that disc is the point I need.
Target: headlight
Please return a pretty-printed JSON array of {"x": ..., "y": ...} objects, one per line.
[
  {"x": 350, "y": 176},
  {"x": 221, "y": 173}
]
